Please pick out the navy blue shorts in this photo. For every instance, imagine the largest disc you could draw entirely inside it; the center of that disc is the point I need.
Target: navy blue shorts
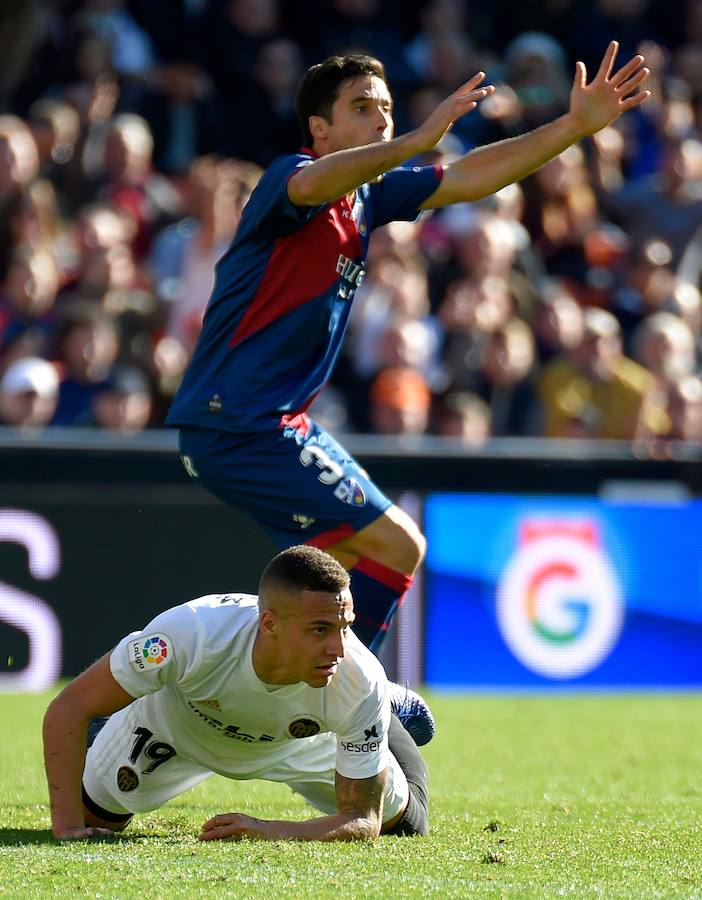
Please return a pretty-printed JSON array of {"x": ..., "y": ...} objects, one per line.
[{"x": 296, "y": 481}]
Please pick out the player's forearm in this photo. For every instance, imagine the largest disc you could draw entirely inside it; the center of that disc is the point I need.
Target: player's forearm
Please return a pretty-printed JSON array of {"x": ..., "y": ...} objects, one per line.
[
  {"x": 488, "y": 169},
  {"x": 339, "y": 827},
  {"x": 64, "y": 757},
  {"x": 339, "y": 173},
  {"x": 342, "y": 826}
]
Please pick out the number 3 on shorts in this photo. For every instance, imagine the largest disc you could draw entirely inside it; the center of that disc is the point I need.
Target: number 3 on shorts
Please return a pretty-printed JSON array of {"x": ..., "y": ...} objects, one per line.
[{"x": 157, "y": 751}]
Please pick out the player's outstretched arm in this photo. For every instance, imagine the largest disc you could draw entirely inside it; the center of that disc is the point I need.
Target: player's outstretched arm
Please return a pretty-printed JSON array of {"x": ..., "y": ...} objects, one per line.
[
  {"x": 593, "y": 106},
  {"x": 359, "y": 818},
  {"x": 337, "y": 174},
  {"x": 94, "y": 693}
]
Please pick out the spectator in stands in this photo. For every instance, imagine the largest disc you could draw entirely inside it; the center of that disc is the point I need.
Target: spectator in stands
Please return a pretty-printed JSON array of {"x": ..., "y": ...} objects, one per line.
[
  {"x": 400, "y": 402},
  {"x": 19, "y": 158},
  {"x": 558, "y": 322},
  {"x": 667, "y": 205},
  {"x": 27, "y": 298},
  {"x": 665, "y": 345},
  {"x": 464, "y": 415},
  {"x": 132, "y": 184},
  {"x": 269, "y": 98},
  {"x": 124, "y": 404},
  {"x": 28, "y": 393},
  {"x": 55, "y": 125},
  {"x": 596, "y": 391},
  {"x": 184, "y": 255},
  {"x": 504, "y": 382},
  {"x": 89, "y": 345},
  {"x": 561, "y": 211},
  {"x": 683, "y": 407}
]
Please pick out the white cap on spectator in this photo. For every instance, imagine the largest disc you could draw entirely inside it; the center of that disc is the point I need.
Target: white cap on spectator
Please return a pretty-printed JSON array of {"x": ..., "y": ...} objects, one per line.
[
  {"x": 600, "y": 323},
  {"x": 30, "y": 374}
]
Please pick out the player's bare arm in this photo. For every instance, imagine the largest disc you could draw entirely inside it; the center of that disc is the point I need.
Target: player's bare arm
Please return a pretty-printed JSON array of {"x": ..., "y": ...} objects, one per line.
[
  {"x": 360, "y": 816},
  {"x": 593, "y": 106},
  {"x": 94, "y": 693},
  {"x": 340, "y": 171}
]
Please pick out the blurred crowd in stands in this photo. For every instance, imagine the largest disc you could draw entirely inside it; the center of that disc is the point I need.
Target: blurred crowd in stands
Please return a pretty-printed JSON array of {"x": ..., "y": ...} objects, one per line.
[{"x": 132, "y": 133}]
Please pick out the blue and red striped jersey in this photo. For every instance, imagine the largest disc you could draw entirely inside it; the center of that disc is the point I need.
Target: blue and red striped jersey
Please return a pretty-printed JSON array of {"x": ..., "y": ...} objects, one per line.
[{"x": 275, "y": 321}]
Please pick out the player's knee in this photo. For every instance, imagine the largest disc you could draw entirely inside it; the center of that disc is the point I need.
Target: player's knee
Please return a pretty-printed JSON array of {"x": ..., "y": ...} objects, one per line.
[
  {"x": 415, "y": 820},
  {"x": 115, "y": 824},
  {"x": 405, "y": 544},
  {"x": 412, "y": 545}
]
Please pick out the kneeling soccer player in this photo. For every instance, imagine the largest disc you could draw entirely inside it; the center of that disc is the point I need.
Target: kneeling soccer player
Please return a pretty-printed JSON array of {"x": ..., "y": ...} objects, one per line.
[{"x": 275, "y": 687}]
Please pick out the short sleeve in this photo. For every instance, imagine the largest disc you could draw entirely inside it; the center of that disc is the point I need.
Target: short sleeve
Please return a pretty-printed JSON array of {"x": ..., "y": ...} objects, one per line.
[
  {"x": 398, "y": 195},
  {"x": 269, "y": 208},
  {"x": 165, "y": 652},
  {"x": 362, "y": 744}
]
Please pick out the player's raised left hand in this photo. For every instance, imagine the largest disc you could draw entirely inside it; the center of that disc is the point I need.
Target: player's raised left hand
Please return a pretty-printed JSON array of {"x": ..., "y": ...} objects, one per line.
[
  {"x": 232, "y": 827},
  {"x": 609, "y": 94}
]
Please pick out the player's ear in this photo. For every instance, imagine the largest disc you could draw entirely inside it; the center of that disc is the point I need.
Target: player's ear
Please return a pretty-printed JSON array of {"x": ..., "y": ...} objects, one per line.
[
  {"x": 318, "y": 126},
  {"x": 269, "y": 622}
]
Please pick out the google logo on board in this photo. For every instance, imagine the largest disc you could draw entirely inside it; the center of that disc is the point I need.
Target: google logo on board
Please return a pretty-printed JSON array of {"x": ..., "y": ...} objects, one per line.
[{"x": 559, "y": 604}]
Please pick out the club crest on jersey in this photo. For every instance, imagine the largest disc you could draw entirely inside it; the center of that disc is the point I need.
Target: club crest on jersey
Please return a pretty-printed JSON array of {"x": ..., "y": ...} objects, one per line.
[
  {"x": 149, "y": 652},
  {"x": 127, "y": 779},
  {"x": 304, "y": 727},
  {"x": 350, "y": 491}
]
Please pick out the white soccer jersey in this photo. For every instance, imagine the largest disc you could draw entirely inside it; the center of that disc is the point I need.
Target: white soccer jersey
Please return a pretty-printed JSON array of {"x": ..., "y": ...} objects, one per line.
[{"x": 192, "y": 667}]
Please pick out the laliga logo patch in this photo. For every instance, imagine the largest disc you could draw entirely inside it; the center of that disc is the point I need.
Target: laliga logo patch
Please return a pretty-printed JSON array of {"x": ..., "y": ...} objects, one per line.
[
  {"x": 350, "y": 491},
  {"x": 304, "y": 727},
  {"x": 559, "y": 604},
  {"x": 150, "y": 651}
]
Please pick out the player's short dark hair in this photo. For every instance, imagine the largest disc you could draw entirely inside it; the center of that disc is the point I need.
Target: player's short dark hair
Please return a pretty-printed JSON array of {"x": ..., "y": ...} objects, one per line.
[
  {"x": 304, "y": 568},
  {"x": 320, "y": 84}
]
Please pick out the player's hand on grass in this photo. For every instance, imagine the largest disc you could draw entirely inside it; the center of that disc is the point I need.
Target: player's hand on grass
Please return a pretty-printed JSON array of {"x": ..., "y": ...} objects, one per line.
[
  {"x": 593, "y": 106},
  {"x": 82, "y": 833},
  {"x": 232, "y": 827},
  {"x": 462, "y": 101}
]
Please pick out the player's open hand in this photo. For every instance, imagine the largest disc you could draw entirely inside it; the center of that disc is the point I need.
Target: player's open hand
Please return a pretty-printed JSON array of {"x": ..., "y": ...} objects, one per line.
[
  {"x": 462, "y": 101},
  {"x": 609, "y": 94},
  {"x": 232, "y": 827},
  {"x": 85, "y": 833}
]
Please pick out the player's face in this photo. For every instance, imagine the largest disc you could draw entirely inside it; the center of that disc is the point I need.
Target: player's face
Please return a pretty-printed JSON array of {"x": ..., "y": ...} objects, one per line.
[
  {"x": 313, "y": 641},
  {"x": 361, "y": 114}
]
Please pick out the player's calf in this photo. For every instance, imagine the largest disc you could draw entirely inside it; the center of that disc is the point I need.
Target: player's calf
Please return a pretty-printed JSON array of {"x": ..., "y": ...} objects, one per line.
[{"x": 415, "y": 818}]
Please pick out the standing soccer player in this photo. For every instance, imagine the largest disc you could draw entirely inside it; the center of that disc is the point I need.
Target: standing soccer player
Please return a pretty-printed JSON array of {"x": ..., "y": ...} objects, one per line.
[{"x": 283, "y": 291}]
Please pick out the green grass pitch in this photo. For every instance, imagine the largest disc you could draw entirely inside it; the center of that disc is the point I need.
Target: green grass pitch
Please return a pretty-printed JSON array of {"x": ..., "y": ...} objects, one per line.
[{"x": 533, "y": 796}]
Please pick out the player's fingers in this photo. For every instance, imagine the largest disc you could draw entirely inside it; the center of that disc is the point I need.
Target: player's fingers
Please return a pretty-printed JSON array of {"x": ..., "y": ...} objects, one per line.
[
  {"x": 633, "y": 102},
  {"x": 222, "y": 833},
  {"x": 471, "y": 84},
  {"x": 634, "y": 82},
  {"x": 476, "y": 95},
  {"x": 605, "y": 69},
  {"x": 219, "y": 820},
  {"x": 580, "y": 79},
  {"x": 626, "y": 71}
]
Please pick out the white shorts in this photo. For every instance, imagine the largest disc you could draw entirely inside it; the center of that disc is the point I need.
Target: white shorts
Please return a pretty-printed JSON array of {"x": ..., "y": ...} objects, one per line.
[{"x": 130, "y": 769}]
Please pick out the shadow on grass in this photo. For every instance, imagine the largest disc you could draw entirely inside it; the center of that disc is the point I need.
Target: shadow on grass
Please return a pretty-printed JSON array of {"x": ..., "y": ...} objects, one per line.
[{"x": 18, "y": 836}]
